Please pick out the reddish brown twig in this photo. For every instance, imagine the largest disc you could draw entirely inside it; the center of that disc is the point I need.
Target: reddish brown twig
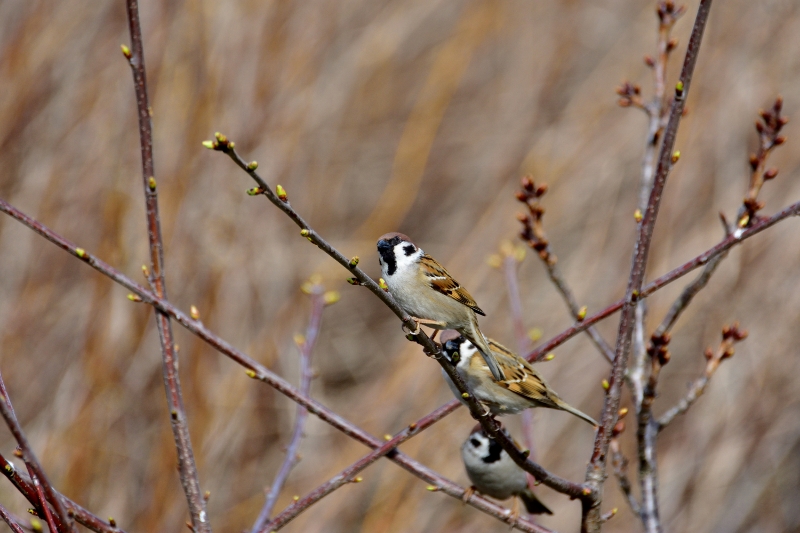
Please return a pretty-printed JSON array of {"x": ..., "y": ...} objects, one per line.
[
  {"x": 257, "y": 371},
  {"x": 260, "y": 372},
  {"x": 25, "y": 486},
  {"x": 768, "y": 128},
  {"x": 657, "y": 112},
  {"x": 180, "y": 429},
  {"x": 44, "y": 490},
  {"x": 48, "y": 516},
  {"x": 730, "y": 336},
  {"x": 4, "y": 514},
  {"x": 348, "y": 475},
  {"x": 533, "y": 234},
  {"x": 595, "y": 473},
  {"x": 318, "y": 300},
  {"x": 280, "y": 199},
  {"x": 620, "y": 463}
]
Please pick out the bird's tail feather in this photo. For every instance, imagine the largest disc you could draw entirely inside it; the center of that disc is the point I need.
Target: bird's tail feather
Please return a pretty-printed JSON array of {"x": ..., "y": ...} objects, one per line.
[
  {"x": 532, "y": 504},
  {"x": 564, "y": 406}
]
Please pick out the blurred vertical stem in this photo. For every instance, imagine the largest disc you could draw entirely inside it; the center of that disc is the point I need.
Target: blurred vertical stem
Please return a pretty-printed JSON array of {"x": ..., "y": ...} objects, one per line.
[
  {"x": 180, "y": 428},
  {"x": 511, "y": 260},
  {"x": 306, "y": 373},
  {"x": 596, "y": 470}
]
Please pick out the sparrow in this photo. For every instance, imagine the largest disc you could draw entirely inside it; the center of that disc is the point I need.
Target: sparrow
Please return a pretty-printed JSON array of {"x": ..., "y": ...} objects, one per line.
[
  {"x": 427, "y": 292},
  {"x": 524, "y": 388},
  {"x": 493, "y": 473}
]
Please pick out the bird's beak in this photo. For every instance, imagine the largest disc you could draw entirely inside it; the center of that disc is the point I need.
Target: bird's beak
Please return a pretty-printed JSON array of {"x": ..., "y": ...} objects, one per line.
[{"x": 384, "y": 246}]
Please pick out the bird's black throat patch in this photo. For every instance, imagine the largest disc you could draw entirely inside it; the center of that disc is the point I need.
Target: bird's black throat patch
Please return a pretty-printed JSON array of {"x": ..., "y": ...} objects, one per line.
[
  {"x": 495, "y": 450},
  {"x": 386, "y": 251}
]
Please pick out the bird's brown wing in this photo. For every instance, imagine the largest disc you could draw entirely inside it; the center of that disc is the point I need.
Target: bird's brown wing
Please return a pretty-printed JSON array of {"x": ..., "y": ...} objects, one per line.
[
  {"x": 521, "y": 377},
  {"x": 441, "y": 281}
]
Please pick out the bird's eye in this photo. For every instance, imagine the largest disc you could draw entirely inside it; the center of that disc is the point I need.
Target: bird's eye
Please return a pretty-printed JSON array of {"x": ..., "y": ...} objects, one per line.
[
  {"x": 475, "y": 442},
  {"x": 409, "y": 249}
]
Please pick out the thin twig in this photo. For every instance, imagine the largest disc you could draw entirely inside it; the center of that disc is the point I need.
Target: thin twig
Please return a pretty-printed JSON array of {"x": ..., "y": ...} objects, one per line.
[
  {"x": 510, "y": 264},
  {"x": 431, "y": 348},
  {"x": 620, "y": 464},
  {"x": 533, "y": 234},
  {"x": 261, "y": 372},
  {"x": 180, "y": 429},
  {"x": 254, "y": 369},
  {"x": 348, "y": 475},
  {"x": 730, "y": 336},
  {"x": 641, "y": 383},
  {"x": 7, "y": 411},
  {"x": 690, "y": 291},
  {"x": 4, "y": 514},
  {"x": 48, "y": 516},
  {"x": 511, "y": 258},
  {"x": 595, "y": 472},
  {"x": 291, "y": 459}
]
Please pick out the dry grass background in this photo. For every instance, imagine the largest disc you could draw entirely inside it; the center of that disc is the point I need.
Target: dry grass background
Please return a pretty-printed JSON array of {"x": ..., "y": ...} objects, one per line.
[{"x": 375, "y": 115}]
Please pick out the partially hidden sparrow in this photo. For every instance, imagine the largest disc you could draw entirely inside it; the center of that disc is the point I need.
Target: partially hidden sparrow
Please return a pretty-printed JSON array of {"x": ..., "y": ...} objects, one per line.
[
  {"x": 522, "y": 389},
  {"x": 493, "y": 473},
  {"x": 427, "y": 292}
]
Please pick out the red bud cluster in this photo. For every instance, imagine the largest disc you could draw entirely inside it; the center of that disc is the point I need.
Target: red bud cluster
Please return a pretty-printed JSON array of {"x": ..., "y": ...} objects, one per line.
[
  {"x": 532, "y": 231},
  {"x": 630, "y": 93},
  {"x": 668, "y": 12},
  {"x": 658, "y": 348}
]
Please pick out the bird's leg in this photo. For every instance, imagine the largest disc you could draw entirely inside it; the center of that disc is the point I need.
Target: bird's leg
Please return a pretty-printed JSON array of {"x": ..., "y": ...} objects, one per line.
[
  {"x": 514, "y": 516},
  {"x": 468, "y": 494}
]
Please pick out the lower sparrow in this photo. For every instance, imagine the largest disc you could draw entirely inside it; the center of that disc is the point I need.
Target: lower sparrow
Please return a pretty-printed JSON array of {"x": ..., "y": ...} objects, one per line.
[{"x": 493, "y": 473}]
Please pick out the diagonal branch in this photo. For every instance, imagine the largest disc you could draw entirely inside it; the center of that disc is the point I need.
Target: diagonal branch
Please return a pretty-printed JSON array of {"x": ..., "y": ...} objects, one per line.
[
  {"x": 492, "y": 427},
  {"x": 44, "y": 485},
  {"x": 595, "y": 472},
  {"x": 180, "y": 427},
  {"x": 81, "y": 515},
  {"x": 348, "y": 475},
  {"x": 9, "y": 520},
  {"x": 254, "y": 369},
  {"x": 533, "y": 234},
  {"x": 307, "y": 346},
  {"x": 730, "y": 336}
]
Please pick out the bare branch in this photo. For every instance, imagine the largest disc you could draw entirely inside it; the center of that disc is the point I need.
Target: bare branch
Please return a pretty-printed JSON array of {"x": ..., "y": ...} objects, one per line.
[
  {"x": 730, "y": 336},
  {"x": 48, "y": 516},
  {"x": 254, "y": 369},
  {"x": 533, "y": 234},
  {"x": 348, "y": 475},
  {"x": 10, "y": 521},
  {"x": 26, "y": 453},
  {"x": 180, "y": 428},
  {"x": 595, "y": 472},
  {"x": 81, "y": 515},
  {"x": 620, "y": 464},
  {"x": 306, "y": 348}
]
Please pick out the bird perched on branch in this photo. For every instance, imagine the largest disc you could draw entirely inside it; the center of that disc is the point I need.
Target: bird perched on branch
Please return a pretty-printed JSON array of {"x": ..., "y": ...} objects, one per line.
[
  {"x": 427, "y": 292},
  {"x": 522, "y": 389},
  {"x": 493, "y": 473}
]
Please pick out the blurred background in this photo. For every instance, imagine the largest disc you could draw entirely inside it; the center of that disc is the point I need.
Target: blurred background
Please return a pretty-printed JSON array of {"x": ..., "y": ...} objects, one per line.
[{"x": 376, "y": 116}]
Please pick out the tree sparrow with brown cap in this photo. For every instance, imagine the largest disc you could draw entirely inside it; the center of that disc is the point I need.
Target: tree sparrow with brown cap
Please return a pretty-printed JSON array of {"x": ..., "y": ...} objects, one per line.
[
  {"x": 427, "y": 292},
  {"x": 493, "y": 473},
  {"x": 522, "y": 389}
]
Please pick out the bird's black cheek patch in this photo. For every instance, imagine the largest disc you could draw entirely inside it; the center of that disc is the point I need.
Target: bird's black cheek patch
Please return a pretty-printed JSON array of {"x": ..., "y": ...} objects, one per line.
[{"x": 409, "y": 249}]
